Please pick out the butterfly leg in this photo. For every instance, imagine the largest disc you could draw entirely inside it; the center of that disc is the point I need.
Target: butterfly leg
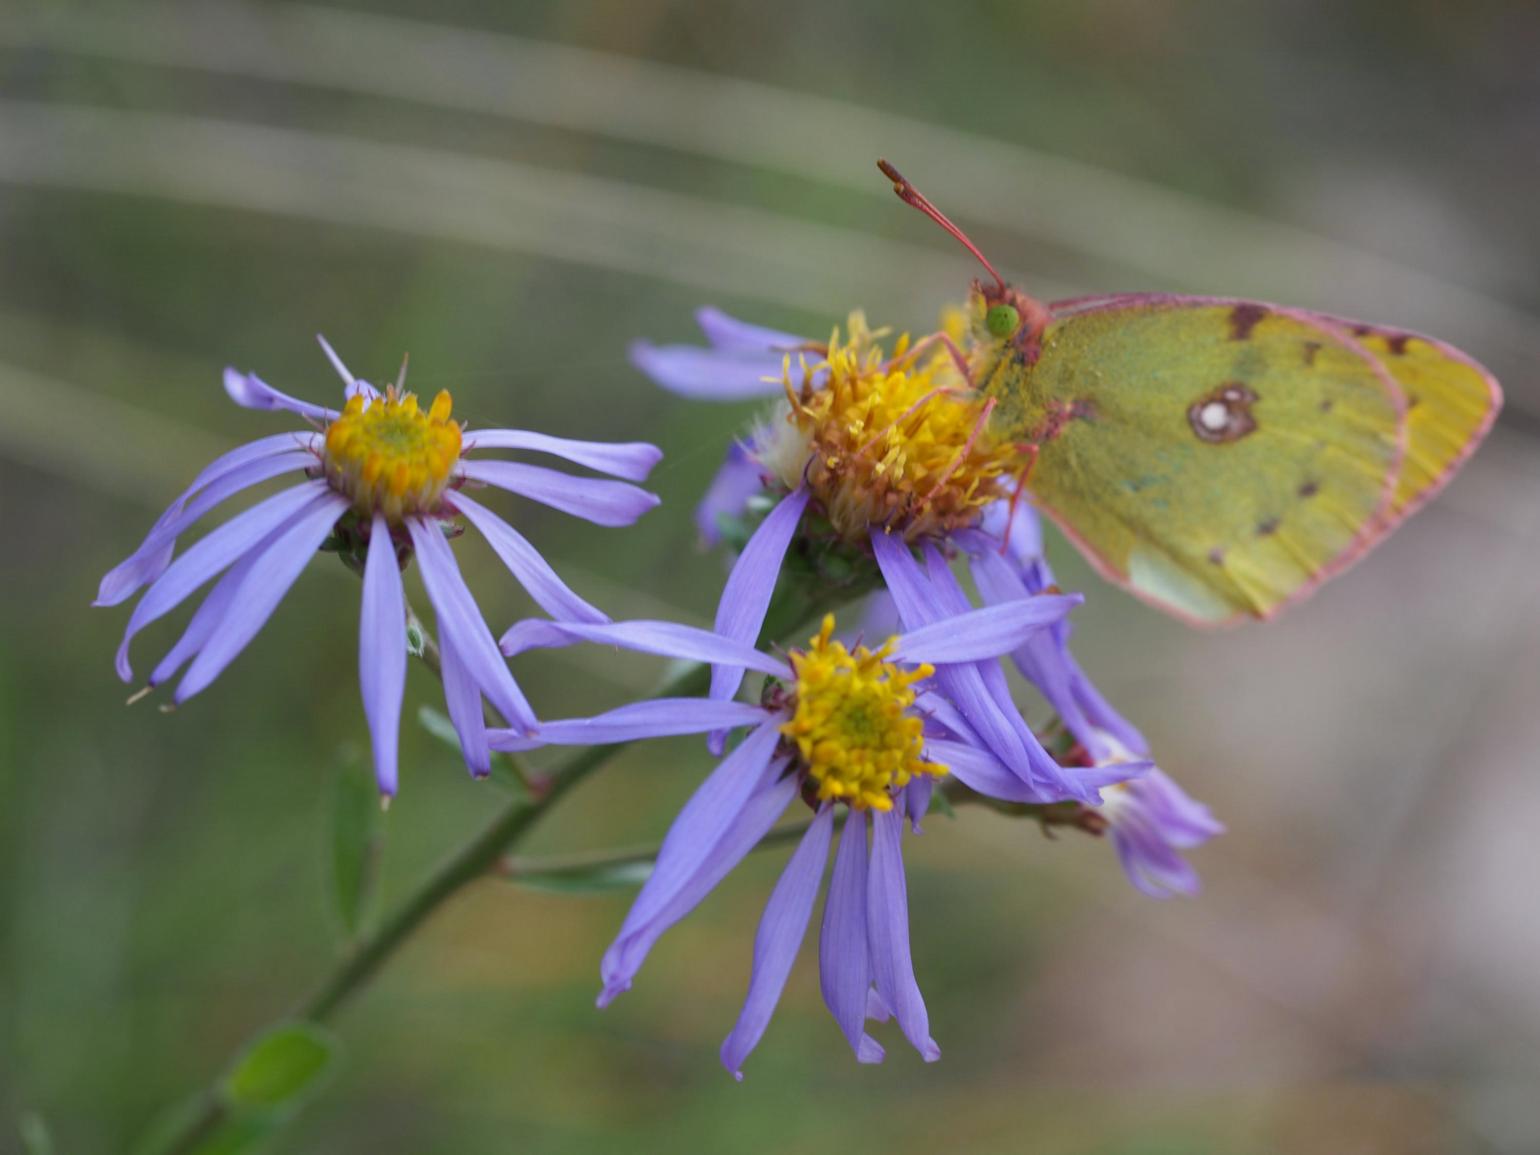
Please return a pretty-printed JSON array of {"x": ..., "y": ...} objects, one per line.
[
  {"x": 1028, "y": 450},
  {"x": 946, "y": 342}
]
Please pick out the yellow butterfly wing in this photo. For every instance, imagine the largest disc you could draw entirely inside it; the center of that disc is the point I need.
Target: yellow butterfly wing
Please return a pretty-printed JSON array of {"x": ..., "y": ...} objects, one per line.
[
  {"x": 1217, "y": 458},
  {"x": 1451, "y": 403}
]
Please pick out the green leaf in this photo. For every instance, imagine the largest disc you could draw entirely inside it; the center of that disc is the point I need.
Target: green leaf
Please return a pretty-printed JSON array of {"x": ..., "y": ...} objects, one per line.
[
  {"x": 357, "y": 839},
  {"x": 597, "y": 879},
  {"x": 941, "y": 804},
  {"x": 279, "y": 1071}
]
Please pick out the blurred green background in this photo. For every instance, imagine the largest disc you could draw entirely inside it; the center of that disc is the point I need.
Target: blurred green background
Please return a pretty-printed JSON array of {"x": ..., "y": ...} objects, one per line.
[{"x": 512, "y": 194}]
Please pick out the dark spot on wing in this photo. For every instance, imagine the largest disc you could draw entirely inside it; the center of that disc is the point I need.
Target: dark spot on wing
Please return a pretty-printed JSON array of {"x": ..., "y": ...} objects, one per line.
[
  {"x": 1309, "y": 489},
  {"x": 1397, "y": 343},
  {"x": 1217, "y": 556},
  {"x": 1311, "y": 349},
  {"x": 1362, "y": 330},
  {"x": 1223, "y": 414},
  {"x": 1244, "y": 318},
  {"x": 1412, "y": 400},
  {"x": 1268, "y": 527},
  {"x": 1326, "y": 405}
]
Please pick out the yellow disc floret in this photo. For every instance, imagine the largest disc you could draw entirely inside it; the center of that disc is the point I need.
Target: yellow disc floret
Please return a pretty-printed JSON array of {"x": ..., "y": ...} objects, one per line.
[
  {"x": 855, "y": 739},
  {"x": 388, "y": 455},
  {"x": 900, "y": 441}
]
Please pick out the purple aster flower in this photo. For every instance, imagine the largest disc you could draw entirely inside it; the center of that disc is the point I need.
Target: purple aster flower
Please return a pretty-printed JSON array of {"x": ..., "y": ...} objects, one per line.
[
  {"x": 382, "y": 479},
  {"x": 868, "y": 729},
  {"x": 1151, "y": 819}
]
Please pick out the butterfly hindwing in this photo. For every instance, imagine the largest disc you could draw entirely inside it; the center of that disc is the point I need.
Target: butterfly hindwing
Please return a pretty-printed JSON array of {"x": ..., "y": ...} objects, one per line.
[
  {"x": 1218, "y": 458},
  {"x": 1451, "y": 403}
]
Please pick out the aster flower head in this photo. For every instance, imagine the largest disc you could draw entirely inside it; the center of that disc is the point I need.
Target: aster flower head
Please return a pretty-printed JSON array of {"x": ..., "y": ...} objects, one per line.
[
  {"x": 382, "y": 480},
  {"x": 867, "y": 729}
]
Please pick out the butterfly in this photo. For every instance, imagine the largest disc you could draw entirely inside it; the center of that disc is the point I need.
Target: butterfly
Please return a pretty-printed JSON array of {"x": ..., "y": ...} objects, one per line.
[{"x": 1218, "y": 458}]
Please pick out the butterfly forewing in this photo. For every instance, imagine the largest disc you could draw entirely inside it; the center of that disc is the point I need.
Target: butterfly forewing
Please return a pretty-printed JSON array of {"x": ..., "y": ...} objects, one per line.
[{"x": 1217, "y": 458}]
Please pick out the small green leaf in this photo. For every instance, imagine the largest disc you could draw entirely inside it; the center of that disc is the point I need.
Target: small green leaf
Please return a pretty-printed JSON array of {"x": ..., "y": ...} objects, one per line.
[
  {"x": 437, "y": 724},
  {"x": 357, "y": 838},
  {"x": 278, "y": 1071},
  {"x": 600, "y": 879}
]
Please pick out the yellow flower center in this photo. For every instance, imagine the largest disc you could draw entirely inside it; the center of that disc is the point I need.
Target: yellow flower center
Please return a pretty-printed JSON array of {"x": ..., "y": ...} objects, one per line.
[
  {"x": 900, "y": 442},
  {"x": 856, "y": 741},
  {"x": 390, "y": 456}
]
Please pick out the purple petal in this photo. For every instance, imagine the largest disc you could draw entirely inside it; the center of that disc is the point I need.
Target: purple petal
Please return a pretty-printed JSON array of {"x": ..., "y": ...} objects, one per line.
[
  {"x": 610, "y": 503},
  {"x": 1111, "y": 773},
  {"x": 149, "y": 561},
  {"x": 980, "y": 771},
  {"x": 887, "y": 915},
  {"x": 995, "y": 712},
  {"x": 134, "y": 572},
  {"x": 936, "y": 708},
  {"x": 460, "y": 622},
  {"x": 917, "y": 797},
  {"x": 462, "y": 697},
  {"x": 208, "y": 616},
  {"x": 220, "y": 548},
  {"x": 709, "y": 375},
  {"x": 730, "y": 335},
  {"x": 739, "y": 479},
  {"x": 1186, "y": 822},
  {"x": 632, "y": 460},
  {"x": 525, "y": 563},
  {"x": 981, "y": 635},
  {"x": 351, "y": 384},
  {"x": 668, "y": 639},
  {"x": 688, "y": 851},
  {"x": 746, "y": 597},
  {"x": 1150, "y": 863},
  {"x": 1021, "y": 530},
  {"x": 251, "y": 392},
  {"x": 382, "y": 651},
  {"x": 1045, "y": 661},
  {"x": 844, "y": 965},
  {"x": 781, "y": 930},
  {"x": 273, "y": 572},
  {"x": 658, "y": 718},
  {"x": 919, "y": 604},
  {"x": 907, "y": 584}
]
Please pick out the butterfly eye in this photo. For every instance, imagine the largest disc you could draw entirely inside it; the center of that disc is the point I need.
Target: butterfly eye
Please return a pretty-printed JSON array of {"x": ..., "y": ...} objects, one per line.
[{"x": 1002, "y": 320}]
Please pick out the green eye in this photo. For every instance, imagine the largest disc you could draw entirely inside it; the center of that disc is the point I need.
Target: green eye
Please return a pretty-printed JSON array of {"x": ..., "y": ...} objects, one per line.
[{"x": 1002, "y": 320}]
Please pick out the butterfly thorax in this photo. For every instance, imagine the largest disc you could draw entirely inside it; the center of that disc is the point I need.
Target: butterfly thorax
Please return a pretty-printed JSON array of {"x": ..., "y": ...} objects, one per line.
[{"x": 1001, "y": 363}]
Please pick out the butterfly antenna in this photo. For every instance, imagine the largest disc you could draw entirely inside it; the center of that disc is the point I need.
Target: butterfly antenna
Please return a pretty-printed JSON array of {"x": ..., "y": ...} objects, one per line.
[{"x": 913, "y": 197}]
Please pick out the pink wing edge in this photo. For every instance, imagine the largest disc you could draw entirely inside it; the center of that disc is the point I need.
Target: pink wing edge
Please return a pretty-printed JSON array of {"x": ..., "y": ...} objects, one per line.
[{"x": 1375, "y": 528}]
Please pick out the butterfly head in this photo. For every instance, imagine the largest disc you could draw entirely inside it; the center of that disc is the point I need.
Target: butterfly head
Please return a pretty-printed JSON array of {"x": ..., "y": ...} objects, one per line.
[{"x": 1001, "y": 314}]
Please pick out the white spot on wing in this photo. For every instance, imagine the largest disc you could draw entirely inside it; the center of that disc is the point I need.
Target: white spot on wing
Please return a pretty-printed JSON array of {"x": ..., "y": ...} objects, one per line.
[{"x": 1215, "y": 416}]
